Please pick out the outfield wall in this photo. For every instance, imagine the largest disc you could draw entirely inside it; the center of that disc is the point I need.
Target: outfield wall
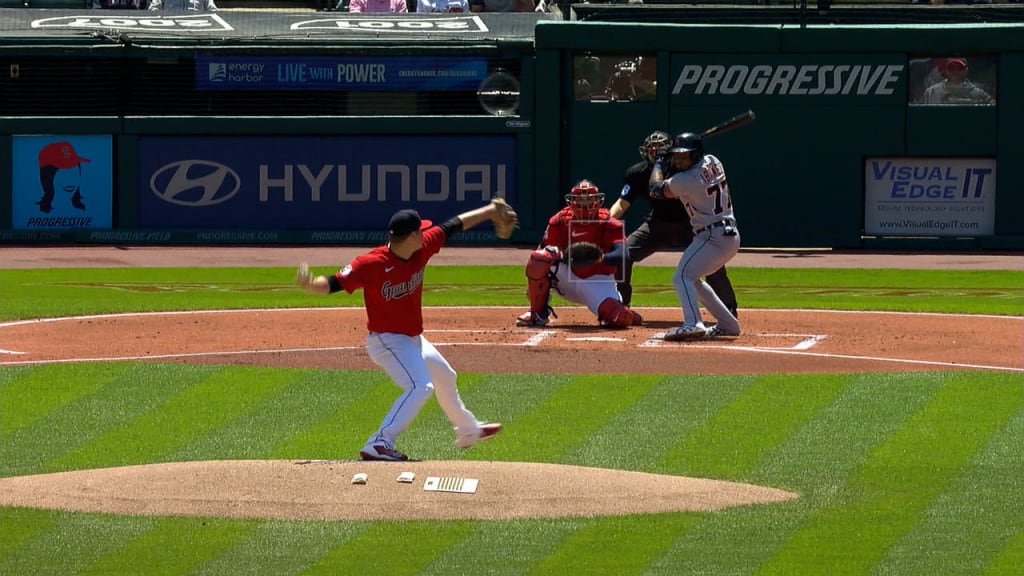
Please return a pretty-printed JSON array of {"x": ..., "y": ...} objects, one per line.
[{"x": 838, "y": 156}]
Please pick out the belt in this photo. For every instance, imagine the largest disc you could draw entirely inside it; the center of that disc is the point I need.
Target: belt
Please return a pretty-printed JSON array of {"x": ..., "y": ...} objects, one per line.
[{"x": 718, "y": 224}]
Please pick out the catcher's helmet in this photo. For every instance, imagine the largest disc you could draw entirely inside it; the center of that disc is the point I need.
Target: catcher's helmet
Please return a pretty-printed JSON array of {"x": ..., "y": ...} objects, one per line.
[
  {"x": 585, "y": 199},
  {"x": 689, "y": 142},
  {"x": 655, "y": 144}
]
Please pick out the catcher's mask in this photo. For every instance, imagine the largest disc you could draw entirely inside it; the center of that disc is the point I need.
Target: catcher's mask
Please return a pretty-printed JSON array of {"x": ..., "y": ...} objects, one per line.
[
  {"x": 655, "y": 144},
  {"x": 585, "y": 200},
  {"x": 687, "y": 149}
]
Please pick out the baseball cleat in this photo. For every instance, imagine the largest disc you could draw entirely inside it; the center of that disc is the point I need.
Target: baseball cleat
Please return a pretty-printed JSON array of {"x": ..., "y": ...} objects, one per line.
[
  {"x": 638, "y": 320},
  {"x": 486, "y": 431},
  {"x": 382, "y": 452},
  {"x": 713, "y": 331},
  {"x": 686, "y": 333},
  {"x": 531, "y": 319}
]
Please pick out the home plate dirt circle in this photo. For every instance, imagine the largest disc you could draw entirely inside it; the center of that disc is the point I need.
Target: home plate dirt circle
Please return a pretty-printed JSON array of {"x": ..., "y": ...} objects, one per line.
[{"x": 323, "y": 490}]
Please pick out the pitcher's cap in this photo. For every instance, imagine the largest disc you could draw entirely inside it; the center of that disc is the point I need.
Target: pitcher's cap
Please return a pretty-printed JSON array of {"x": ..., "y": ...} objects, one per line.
[{"x": 406, "y": 221}]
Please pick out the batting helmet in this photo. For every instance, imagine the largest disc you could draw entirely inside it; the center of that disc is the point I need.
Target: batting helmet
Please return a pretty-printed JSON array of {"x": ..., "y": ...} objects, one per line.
[
  {"x": 688, "y": 142},
  {"x": 585, "y": 199},
  {"x": 655, "y": 144}
]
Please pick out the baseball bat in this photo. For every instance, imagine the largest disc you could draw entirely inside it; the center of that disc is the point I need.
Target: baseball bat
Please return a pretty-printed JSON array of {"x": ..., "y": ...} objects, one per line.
[{"x": 730, "y": 124}]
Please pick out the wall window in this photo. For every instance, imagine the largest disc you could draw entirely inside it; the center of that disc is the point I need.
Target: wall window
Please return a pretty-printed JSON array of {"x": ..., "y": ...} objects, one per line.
[
  {"x": 953, "y": 81},
  {"x": 615, "y": 77}
]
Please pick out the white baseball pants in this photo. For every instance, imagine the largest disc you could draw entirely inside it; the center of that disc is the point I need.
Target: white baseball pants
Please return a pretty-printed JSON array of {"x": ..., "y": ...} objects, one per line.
[
  {"x": 416, "y": 367},
  {"x": 708, "y": 252}
]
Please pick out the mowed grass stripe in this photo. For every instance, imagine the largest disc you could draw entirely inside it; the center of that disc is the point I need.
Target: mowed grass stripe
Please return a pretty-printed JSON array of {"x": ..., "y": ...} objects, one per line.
[
  {"x": 814, "y": 462},
  {"x": 302, "y": 400},
  {"x": 395, "y": 548},
  {"x": 20, "y": 525},
  {"x": 503, "y": 547},
  {"x": 74, "y": 542},
  {"x": 886, "y": 496},
  {"x": 172, "y": 546},
  {"x": 355, "y": 403},
  {"x": 575, "y": 409},
  {"x": 280, "y": 548},
  {"x": 193, "y": 412},
  {"x": 42, "y": 446},
  {"x": 963, "y": 529},
  {"x": 29, "y": 394},
  {"x": 581, "y": 552},
  {"x": 670, "y": 408},
  {"x": 764, "y": 415},
  {"x": 1010, "y": 558}
]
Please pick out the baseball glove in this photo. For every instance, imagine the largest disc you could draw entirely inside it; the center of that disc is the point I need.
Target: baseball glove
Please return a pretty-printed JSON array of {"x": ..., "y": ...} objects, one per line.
[
  {"x": 584, "y": 254},
  {"x": 505, "y": 219}
]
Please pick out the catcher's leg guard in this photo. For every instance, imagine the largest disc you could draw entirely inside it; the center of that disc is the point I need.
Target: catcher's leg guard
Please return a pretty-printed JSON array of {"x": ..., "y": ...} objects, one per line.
[
  {"x": 615, "y": 314},
  {"x": 540, "y": 269}
]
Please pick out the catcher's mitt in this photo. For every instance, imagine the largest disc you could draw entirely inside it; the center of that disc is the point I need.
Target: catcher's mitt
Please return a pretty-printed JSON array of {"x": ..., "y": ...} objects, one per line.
[
  {"x": 505, "y": 219},
  {"x": 584, "y": 254}
]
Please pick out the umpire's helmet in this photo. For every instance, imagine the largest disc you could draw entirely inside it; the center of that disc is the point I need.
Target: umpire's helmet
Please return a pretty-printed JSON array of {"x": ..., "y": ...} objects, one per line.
[
  {"x": 654, "y": 145},
  {"x": 689, "y": 142}
]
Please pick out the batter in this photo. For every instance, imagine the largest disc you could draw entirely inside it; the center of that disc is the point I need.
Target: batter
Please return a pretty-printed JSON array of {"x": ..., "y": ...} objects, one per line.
[{"x": 698, "y": 181}]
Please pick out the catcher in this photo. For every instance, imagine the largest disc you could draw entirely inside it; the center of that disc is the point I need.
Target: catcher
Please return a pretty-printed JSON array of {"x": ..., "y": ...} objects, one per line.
[{"x": 581, "y": 249}]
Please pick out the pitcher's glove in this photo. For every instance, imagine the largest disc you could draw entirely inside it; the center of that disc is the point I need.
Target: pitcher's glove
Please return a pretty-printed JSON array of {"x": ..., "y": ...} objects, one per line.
[
  {"x": 584, "y": 254},
  {"x": 505, "y": 219}
]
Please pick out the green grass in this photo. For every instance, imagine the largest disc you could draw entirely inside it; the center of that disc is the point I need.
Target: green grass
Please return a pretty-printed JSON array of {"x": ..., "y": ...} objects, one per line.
[
  {"x": 51, "y": 293},
  {"x": 898, "y": 473}
]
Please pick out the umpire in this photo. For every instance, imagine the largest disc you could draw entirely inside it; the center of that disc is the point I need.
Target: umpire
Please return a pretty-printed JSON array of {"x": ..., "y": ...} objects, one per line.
[{"x": 666, "y": 225}]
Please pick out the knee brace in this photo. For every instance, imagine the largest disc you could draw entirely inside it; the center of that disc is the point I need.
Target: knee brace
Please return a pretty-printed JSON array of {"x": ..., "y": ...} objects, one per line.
[{"x": 616, "y": 314}]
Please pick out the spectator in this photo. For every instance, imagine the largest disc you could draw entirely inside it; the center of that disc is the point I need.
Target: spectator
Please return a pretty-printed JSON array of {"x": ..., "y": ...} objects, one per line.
[
  {"x": 501, "y": 5},
  {"x": 393, "y": 6},
  {"x": 119, "y": 4},
  {"x": 442, "y": 6},
  {"x": 182, "y": 5},
  {"x": 956, "y": 88}
]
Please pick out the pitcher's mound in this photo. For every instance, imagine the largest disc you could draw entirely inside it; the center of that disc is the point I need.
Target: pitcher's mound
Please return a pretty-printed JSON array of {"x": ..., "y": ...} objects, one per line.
[{"x": 323, "y": 490}]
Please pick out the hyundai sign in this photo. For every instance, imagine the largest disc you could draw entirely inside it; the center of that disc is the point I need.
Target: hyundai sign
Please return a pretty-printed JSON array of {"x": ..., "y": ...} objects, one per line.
[{"x": 311, "y": 183}]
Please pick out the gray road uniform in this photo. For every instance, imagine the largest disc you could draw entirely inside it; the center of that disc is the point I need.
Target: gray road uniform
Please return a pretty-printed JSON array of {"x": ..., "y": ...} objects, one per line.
[{"x": 704, "y": 192}]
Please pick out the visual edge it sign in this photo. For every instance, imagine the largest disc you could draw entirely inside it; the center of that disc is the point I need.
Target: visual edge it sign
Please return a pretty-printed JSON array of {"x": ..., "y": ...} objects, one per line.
[{"x": 929, "y": 196}]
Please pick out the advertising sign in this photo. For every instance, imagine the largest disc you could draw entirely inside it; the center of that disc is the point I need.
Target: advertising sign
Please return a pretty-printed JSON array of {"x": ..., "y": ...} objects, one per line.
[
  {"x": 61, "y": 182},
  {"x": 790, "y": 79},
  {"x": 317, "y": 183},
  {"x": 338, "y": 73},
  {"x": 929, "y": 196}
]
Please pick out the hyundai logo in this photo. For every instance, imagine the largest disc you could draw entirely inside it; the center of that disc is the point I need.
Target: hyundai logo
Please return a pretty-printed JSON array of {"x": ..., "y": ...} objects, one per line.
[{"x": 195, "y": 183}]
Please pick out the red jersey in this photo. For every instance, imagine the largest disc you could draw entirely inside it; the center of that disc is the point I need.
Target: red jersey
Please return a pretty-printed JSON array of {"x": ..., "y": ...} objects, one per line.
[
  {"x": 605, "y": 231},
  {"x": 392, "y": 287}
]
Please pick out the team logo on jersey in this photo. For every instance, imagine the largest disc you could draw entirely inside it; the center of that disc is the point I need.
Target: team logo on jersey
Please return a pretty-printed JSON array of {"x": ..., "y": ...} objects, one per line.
[
  {"x": 391, "y": 291},
  {"x": 346, "y": 270}
]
